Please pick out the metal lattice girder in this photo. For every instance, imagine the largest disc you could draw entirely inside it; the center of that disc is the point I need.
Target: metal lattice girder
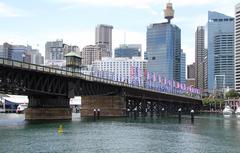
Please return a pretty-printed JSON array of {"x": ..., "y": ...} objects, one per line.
[{"x": 29, "y": 79}]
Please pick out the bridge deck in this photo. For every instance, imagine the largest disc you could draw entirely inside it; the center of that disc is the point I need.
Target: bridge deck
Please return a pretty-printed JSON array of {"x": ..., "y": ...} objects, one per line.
[{"x": 70, "y": 74}]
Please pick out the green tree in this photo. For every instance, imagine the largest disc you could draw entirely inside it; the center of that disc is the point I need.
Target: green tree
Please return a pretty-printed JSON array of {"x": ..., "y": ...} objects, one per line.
[
  {"x": 232, "y": 94},
  {"x": 211, "y": 102}
]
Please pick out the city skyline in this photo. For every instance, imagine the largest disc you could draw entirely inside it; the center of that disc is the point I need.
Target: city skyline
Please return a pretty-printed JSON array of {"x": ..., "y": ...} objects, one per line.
[{"x": 39, "y": 22}]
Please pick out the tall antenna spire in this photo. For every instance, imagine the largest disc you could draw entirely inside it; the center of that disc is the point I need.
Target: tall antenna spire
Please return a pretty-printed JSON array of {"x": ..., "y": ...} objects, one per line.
[{"x": 169, "y": 12}]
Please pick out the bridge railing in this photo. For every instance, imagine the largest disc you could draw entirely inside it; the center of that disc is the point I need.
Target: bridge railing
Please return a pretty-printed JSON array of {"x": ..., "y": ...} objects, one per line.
[{"x": 65, "y": 72}]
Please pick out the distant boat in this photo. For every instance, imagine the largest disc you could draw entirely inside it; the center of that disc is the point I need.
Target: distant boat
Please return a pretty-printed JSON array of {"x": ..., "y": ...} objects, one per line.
[
  {"x": 228, "y": 110},
  {"x": 21, "y": 108}
]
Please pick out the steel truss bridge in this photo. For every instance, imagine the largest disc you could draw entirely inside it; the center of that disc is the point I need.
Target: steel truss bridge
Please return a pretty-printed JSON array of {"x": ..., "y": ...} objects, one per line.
[{"x": 50, "y": 88}]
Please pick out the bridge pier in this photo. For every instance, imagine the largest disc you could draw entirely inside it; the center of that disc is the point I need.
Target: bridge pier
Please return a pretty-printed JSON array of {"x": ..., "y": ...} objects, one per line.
[
  {"x": 110, "y": 106},
  {"x": 48, "y": 108}
]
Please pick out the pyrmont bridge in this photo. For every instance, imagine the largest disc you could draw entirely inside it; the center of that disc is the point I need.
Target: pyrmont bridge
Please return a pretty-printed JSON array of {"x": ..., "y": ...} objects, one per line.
[{"x": 50, "y": 89}]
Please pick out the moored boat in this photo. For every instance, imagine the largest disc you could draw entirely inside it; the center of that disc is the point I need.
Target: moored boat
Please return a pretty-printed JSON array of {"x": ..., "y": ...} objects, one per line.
[
  {"x": 228, "y": 110},
  {"x": 237, "y": 112}
]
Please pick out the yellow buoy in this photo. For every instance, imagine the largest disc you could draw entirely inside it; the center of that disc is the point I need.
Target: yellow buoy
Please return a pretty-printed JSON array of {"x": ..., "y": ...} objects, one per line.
[{"x": 60, "y": 129}]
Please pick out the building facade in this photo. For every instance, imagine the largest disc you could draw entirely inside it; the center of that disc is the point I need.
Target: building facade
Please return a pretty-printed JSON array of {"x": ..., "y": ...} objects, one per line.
[
  {"x": 237, "y": 47},
  {"x": 35, "y": 56},
  {"x": 191, "y": 71},
  {"x": 55, "y": 52},
  {"x": 122, "y": 69},
  {"x": 183, "y": 68},
  {"x": 199, "y": 56},
  {"x": 91, "y": 53},
  {"x": 191, "y": 82},
  {"x": 21, "y": 53},
  {"x": 103, "y": 36},
  {"x": 220, "y": 29},
  {"x": 128, "y": 50},
  {"x": 164, "y": 50},
  {"x": 146, "y": 55}
]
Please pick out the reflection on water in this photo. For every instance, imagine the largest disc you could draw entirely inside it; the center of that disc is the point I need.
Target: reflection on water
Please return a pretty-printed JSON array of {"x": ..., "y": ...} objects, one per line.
[{"x": 209, "y": 133}]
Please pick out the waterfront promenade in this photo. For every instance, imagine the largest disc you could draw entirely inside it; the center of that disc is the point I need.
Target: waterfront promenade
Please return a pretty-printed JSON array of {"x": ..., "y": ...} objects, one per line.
[{"x": 209, "y": 134}]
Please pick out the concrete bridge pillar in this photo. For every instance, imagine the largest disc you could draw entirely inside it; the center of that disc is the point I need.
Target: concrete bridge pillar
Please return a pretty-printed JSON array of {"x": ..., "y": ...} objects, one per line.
[
  {"x": 48, "y": 108},
  {"x": 110, "y": 106}
]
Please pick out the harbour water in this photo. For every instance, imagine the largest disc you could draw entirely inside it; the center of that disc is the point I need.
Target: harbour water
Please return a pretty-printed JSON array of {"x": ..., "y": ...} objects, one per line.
[{"x": 208, "y": 134}]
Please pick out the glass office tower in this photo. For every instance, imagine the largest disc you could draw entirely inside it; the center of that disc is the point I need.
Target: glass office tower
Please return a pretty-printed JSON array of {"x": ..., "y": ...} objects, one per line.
[
  {"x": 164, "y": 50},
  {"x": 220, "y": 32}
]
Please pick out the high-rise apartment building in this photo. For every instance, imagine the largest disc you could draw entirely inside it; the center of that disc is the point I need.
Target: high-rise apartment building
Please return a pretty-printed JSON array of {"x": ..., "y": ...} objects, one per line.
[
  {"x": 91, "y": 53},
  {"x": 128, "y": 50},
  {"x": 199, "y": 57},
  {"x": 220, "y": 29},
  {"x": 164, "y": 48},
  {"x": 237, "y": 47},
  {"x": 103, "y": 36}
]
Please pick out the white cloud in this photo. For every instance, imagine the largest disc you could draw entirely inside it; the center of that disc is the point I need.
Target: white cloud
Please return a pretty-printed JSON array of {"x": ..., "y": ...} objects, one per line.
[{"x": 7, "y": 11}]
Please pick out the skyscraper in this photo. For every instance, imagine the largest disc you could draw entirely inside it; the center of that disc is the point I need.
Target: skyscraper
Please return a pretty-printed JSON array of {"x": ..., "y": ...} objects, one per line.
[
  {"x": 237, "y": 47},
  {"x": 164, "y": 48},
  {"x": 220, "y": 29},
  {"x": 183, "y": 68},
  {"x": 199, "y": 57},
  {"x": 103, "y": 36}
]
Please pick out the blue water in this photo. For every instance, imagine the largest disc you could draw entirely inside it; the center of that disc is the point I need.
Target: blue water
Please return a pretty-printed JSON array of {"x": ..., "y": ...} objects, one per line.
[{"x": 208, "y": 134}]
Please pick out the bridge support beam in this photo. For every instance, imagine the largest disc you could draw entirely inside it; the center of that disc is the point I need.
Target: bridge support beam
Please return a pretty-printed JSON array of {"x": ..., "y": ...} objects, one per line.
[
  {"x": 110, "y": 106},
  {"x": 48, "y": 108}
]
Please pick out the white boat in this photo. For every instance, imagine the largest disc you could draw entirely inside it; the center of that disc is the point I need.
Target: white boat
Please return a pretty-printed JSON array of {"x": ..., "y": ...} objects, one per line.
[
  {"x": 228, "y": 110},
  {"x": 237, "y": 112},
  {"x": 21, "y": 108}
]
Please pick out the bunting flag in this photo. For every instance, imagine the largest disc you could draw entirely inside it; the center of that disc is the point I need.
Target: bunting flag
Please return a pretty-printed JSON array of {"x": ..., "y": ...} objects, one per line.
[
  {"x": 141, "y": 77},
  {"x": 174, "y": 84},
  {"x": 148, "y": 76},
  {"x": 145, "y": 73},
  {"x": 165, "y": 80},
  {"x": 154, "y": 77},
  {"x": 159, "y": 79}
]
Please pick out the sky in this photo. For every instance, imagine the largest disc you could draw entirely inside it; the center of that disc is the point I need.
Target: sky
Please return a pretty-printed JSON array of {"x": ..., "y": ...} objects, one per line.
[{"x": 35, "y": 22}]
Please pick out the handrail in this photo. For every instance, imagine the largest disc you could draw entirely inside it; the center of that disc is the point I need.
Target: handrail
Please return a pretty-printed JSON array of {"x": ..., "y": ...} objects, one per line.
[{"x": 65, "y": 72}]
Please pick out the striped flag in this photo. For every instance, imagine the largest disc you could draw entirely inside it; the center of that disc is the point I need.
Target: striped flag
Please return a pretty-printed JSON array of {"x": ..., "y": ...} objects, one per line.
[{"x": 154, "y": 77}]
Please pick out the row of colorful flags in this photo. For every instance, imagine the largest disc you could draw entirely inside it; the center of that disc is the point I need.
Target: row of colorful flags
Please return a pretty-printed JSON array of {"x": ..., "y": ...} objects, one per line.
[{"x": 155, "y": 81}]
